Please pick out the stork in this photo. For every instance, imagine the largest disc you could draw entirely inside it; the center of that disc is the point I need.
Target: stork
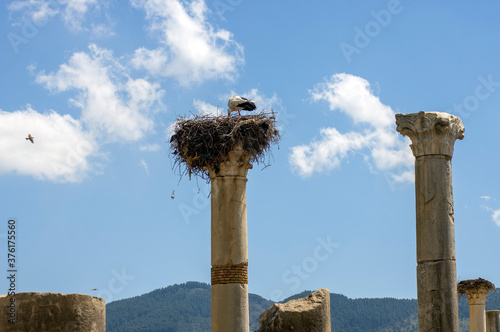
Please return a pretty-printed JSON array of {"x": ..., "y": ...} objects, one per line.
[{"x": 237, "y": 104}]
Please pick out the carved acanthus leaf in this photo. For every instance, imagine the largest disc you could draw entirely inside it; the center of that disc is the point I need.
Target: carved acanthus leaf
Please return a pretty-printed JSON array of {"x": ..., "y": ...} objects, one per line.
[{"x": 477, "y": 296}]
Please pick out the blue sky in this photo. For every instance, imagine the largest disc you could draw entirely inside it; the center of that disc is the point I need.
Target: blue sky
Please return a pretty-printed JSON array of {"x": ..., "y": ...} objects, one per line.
[{"x": 99, "y": 84}]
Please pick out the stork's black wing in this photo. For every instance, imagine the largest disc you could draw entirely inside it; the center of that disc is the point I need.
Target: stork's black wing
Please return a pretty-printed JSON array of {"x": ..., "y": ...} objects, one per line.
[{"x": 247, "y": 106}]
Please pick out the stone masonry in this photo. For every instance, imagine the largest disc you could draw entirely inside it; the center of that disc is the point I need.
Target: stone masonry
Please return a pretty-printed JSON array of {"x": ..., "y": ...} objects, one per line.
[{"x": 230, "y": 274}]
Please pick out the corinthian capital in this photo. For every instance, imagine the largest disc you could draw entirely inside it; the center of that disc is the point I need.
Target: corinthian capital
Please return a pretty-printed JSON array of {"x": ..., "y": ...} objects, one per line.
[
  {"x": 476, "y": 290},
  {"x": 477, "y": 296},
  {"x": 431, "y": 133}
]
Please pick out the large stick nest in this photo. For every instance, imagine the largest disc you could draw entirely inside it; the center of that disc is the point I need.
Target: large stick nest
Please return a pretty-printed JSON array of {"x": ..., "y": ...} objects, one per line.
[
  {"x": 204, "y": 142},
  {"x": 474, "y": 284}
]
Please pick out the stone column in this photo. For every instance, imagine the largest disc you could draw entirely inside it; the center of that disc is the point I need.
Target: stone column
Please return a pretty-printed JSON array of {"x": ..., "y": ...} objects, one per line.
[
  {"x": 230, "y": 311},
  {"x": 493, "y": 321},
  {"x": 433, "y": 135},
  {"x": 477, "y": 306},
  {"x": 54, "y": 312}
]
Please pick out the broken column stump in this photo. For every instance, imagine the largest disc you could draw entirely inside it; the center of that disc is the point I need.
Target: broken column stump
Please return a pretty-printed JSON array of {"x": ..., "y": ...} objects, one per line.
[
  {"x": 309, "y": 314},
  {"x": 52, "y": 312},
  {"x": 493, "y": 321}
]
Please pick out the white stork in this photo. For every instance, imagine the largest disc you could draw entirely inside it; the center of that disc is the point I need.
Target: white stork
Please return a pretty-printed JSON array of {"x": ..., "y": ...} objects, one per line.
[{"x": 237, "y": 104}]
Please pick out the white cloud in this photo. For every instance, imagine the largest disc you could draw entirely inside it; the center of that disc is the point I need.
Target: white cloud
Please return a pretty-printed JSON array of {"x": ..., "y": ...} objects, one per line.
[
  {"x": 61, "y": 149},
  {"x": 405, "y": 176},
  {"x": 73, "y": 12},
  {"x": 112, "y": 103},
  {"x": 100, "y": 30},
  {"x": 326, "y": 154},
  {"x": 495, "y": 214},
  {"x": 143, "y": 95},
  {"x": 150, "y": 147},
  {"x": 205, "y": 108},
  {"x": 192, "y": 50},
  {"x": 144, "y": 165},
  {"x": 39, "y": 11},
  {"x": 496, "y": 217},
  {"x": 154, "y": 61},
  {"x": 376, "y": 132},
  {"x": 352, "y": 96}
]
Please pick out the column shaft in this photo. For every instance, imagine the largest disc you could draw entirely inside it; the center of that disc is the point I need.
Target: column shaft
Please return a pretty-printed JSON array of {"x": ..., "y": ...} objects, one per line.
[
  {"x": 477, "y": 317},
  {"x": 493, "y": 321},
  {"x": 229, "y": 221},
  {"x": 436, "y": 269},
  {"x": 434, "y": 207},
  {"x": 230, "y": 308}
]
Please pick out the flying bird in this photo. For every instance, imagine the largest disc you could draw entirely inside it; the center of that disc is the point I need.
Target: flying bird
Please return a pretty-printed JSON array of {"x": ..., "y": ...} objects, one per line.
[
  {"x": 30, "y": 138},
  {"x": 173, "y": 196},
  {"x": 93, "y": 289},
  {"x": 237, "y": 104}
]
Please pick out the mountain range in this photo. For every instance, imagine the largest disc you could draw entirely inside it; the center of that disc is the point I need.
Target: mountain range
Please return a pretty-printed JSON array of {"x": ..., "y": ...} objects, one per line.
[{"x": 186, "y": 308}]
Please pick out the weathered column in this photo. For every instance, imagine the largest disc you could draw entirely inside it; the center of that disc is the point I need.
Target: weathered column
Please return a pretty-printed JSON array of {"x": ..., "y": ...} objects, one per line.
[
  {"x": 477, "y": 306},
  {"x": 230, "y": 312},
  {"x": 221, "y": 148},
  {"x": 309, "y": 314},
  {"x": 54, "y": 312},
  {"x": 477, "y": 292},
  {"x": 493, "y": 321},
  {"x": 433, "y": 135}
]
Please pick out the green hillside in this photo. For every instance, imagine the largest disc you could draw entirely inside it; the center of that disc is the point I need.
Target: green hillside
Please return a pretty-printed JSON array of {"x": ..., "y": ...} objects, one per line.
[{"x": 186, "y": 308}]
